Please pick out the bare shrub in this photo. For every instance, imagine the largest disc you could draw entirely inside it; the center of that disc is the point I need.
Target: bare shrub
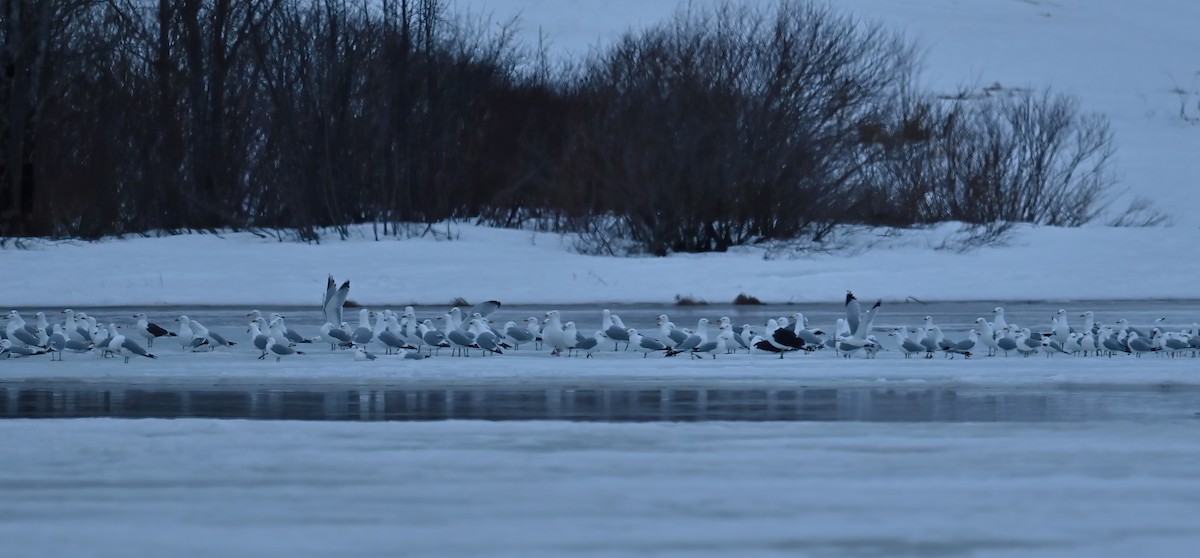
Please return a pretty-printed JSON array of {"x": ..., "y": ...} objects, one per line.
[
  {"x": 1019, "y": 157},
  {"x": 732, "y": 125},
  {"x": 973, "y": 236},
  {"x": 743, "y": 299},
  {"x": 689, "y": 300},
  {"x": 1140, "y": 213}
]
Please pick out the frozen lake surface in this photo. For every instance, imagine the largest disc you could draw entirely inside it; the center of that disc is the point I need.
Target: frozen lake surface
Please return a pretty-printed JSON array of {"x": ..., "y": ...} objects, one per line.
[
  {"x": 612, "y": 456},
  {"x": 189, "y": 487}
]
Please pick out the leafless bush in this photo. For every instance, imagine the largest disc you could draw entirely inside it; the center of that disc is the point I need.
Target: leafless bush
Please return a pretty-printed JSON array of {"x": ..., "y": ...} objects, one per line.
[
  {"x": 689, "y": 300},
  {"x": 727, "y": 125},
  {"x": 1140, "y": 213},
  {"x": 743, "y": 299},
  {"x": 732, "y": 125},
  {"x": 972, "y": 236},
  {"x": 1018, "y": 157}
]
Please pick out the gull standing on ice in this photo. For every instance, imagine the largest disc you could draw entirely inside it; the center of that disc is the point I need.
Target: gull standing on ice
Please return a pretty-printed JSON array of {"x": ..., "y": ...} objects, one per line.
[
  {"x": 150, "y": 330},
  {"x": 644, "y": 344},
  {"x": 591, "y": 344},
  {"x": 335, "y": 299},
  {"x": 280, "y": 351},
  {"x": 127, "y": 348}
]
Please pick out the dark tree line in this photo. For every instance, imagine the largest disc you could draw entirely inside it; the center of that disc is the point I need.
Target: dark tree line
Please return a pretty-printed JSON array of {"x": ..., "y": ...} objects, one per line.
[{"x": 720, "y": 127}]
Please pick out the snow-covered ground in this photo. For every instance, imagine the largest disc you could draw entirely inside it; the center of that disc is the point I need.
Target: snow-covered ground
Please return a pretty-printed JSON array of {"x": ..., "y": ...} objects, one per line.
[
  {"x": 103, "y": 488},
  {"x": 522, "y": 267}
]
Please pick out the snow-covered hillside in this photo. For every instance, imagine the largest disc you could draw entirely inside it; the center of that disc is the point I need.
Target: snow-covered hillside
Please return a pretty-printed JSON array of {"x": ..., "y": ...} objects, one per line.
[{"x": 1132, "y": 61}]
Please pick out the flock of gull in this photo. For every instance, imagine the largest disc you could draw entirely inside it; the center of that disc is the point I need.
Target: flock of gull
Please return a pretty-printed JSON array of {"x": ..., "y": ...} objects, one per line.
[{"x": 403, "y": 335}]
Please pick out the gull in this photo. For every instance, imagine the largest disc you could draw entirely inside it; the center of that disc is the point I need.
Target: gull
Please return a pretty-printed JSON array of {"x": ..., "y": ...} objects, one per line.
[
  {"x": 60, "y": 343},
  {"x": 407, "y": 354},
  {"x": 125, "y": 347},
  {"x": 432, "y": 337},
  {"x": 455, "y": 319},
  {"x": 643, "y": 344},
  {"x": 1111, "y": 341},
  {"x": 965, "y": 346},
  {"x": 515, "y": 335},
  {"x": 840, "y": 330},
  {"x": 1175, "y": 343},
  {"x": 279, "y": 350},
  {"x": 745, "y": 337},
  {"x": 213, "y": 337},
  {"x": 729, "y": 340},
  {"x": 929, "y": 337},
  {"x": 892, "y": 342},
  {"x": 150, "y": 330},
  {"x": 591, "y": 344},
  {"x": 361, "y": 354},
  {"x": 668, "y": 333},
  {"x": 88, "y": 328},
  {"x": 713, "y": 347},
  {"x": 8, "y": 350},
  {"x": 998, "y": 322},
  {"x": 289, "y": 335},
  {"x": 694, "y": 340},
  {"x": 485, "y": 338},
  {"x": 1089, "y": 322},
  {"x": 1138, "y": 345},
  {"x": 99, "y": 337},
  {"x": 759, "y": 345},
  {"x": 1087, "y": 343},
  {"x": 22, "y": 333},
  {"x": 335, "y": 336},
  {"x": 621, "y": 333},
  {"x": 534, "y": 326},
  {"x": 391, "y": 341},
  {"x": 907, "y": 346},
  {"x": 987, "y": 336},
  {"x": 363, "y": 334},
  {"x": 459, "y": 339},
  {"x": 73, "y": 329},
  {"x": 867, "y": 322},
  {"x": 1073, "y": 345},
  {"x": 1051, "y": 346},
  {"x": 810, "y": 337},
  {"x": 381, "y": 326},
  {"x": 1062, "y": 330},
  {"x": 484, "y": 309},
  {"x": 781, "y": 338},
  {"x": 847, "y": 345},
  {"x": 1027, "y": 343},
  {"x": 853, "y": 312},
  {"x": 570, "y": 337},
  {"x": 410, "y": 329},
  {"x": 41, "y": 328},
  {"x": 275, "y": 329},
  {"x": 612, "y": 328},
  {"x": 258, "y": 338},
  {"x": 553, "y": 334},
  {"x": 1006, "y": 342},
  {"x": 334, "y": 299},
  {"x": 187, "y": 336}
]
